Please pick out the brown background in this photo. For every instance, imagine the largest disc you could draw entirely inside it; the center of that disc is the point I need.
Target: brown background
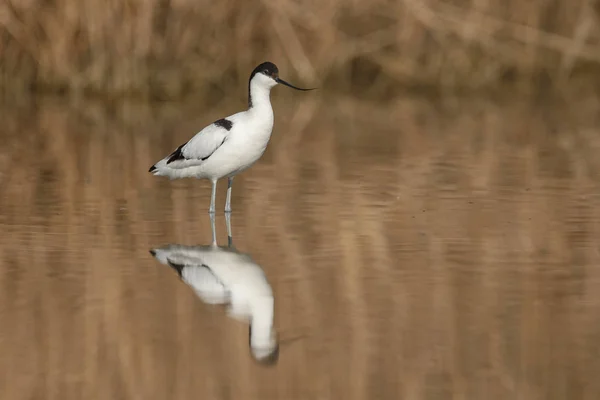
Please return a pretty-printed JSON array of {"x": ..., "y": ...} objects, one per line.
[{"x": 423, "y": 249}]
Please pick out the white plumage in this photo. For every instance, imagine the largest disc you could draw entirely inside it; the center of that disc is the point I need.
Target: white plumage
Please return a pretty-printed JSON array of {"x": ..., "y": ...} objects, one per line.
[
  {"x": 220, "y": 275},
  {"x": 230, "y": 145}
]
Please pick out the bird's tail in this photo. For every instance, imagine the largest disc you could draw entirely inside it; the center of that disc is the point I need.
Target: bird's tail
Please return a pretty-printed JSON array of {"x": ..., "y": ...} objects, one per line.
[
  {"x": 163, "y": 257},
  {"x": 158, "y": 168}
]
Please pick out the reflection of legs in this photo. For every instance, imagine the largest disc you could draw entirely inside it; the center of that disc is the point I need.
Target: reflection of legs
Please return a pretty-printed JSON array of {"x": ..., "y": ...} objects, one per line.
[
  {"x": 214, "y": 230},
  {"x": 228, "y": 201},
  {"x": 213, "y": 196},
  {"x": 229, "y": 236}
]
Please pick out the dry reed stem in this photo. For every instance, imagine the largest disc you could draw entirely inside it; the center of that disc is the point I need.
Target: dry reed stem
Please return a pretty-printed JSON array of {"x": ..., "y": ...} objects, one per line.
[
  {"x": 526, "y": 34},
  {"x": 170, "y": 49},
  {"x": 583, "y": 31}
]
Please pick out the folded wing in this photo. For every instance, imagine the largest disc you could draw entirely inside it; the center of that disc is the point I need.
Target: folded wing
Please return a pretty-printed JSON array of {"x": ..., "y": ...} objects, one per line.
[
  {"x": 206, "y": 284},
  {"x": 199, "y": 148}
]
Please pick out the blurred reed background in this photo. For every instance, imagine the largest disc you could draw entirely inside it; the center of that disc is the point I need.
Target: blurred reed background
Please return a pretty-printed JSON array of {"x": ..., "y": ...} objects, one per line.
[{"x": 173, "y": 48}]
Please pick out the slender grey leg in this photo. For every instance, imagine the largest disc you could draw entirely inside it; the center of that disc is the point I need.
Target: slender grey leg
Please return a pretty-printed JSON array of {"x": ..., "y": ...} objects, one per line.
[
  {"x": 229, "y": 235},
  {"x": 228, "y": 201},
  {"x": 214, "y": 230},
  {"x": 213, "y": 197}
]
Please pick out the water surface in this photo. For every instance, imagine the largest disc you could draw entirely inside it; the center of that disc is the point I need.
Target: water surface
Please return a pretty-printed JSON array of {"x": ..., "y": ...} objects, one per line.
[{"x": 422, "y": 249}]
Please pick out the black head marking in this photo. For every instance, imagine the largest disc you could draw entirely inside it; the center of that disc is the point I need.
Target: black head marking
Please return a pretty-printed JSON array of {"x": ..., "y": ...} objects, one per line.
[
  {"x": 269, "y": 360},
  {"x": 224, "y": 123},
  {"x": 267, "y": 68}
]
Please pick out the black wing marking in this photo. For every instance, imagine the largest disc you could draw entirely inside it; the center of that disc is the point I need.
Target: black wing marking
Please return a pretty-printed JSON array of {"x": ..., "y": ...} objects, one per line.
[
  {"x": 213, "y": 274},
  {"x": 177, "y": 155},
  {"x": 177, "y": 267},
  {"x": 224, "y": 123}
]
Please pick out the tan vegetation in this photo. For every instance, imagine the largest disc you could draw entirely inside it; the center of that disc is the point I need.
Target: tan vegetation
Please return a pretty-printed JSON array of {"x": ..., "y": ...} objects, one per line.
[
  {"x": 171, "y": 48},
  {"x": 427, "y": 250}
]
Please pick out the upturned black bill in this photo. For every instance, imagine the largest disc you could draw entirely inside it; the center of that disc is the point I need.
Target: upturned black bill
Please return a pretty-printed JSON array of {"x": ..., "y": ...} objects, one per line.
[{"x": 279, "y": 80}]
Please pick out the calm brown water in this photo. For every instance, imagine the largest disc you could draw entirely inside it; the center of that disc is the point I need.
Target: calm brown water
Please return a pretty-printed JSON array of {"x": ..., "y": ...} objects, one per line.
[{"x": 422, "y": 250}]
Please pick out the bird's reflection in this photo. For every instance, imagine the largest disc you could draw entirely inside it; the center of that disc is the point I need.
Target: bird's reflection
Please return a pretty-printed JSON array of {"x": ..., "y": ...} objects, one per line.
[{"x": 223, "y": 275}]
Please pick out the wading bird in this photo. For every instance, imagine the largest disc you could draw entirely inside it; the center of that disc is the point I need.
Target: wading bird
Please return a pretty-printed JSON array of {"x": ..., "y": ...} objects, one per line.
[{"x": 230, "y": 145}]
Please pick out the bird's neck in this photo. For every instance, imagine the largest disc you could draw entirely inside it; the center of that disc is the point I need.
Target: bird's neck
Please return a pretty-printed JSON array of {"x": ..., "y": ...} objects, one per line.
[
  {"x": 259, "y": 96},
  {"x": 262, "y": 323}
]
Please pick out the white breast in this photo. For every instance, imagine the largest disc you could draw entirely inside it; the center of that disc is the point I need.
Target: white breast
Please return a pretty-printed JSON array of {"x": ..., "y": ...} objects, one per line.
[{"x": 245, "y": 143}]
